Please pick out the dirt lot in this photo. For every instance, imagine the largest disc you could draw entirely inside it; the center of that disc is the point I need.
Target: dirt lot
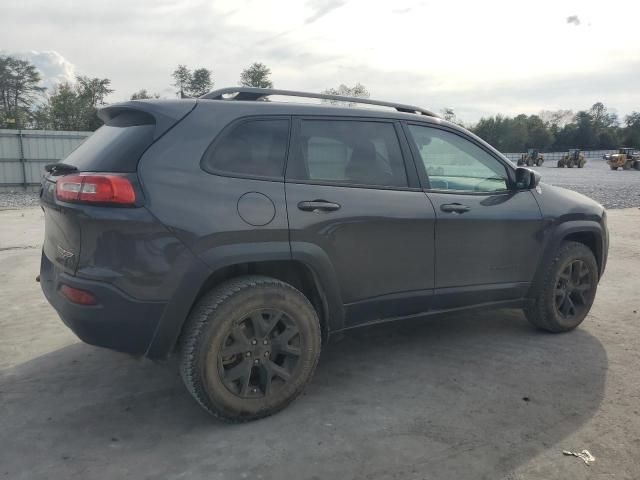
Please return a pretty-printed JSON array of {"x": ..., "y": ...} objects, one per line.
[{"x": 467, "y": 396}]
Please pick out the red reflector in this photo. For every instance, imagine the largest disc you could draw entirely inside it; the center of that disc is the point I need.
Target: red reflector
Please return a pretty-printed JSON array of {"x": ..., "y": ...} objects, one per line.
[
  {"x": 96, "y": 189},
  {"x": 78, "y": 296}
]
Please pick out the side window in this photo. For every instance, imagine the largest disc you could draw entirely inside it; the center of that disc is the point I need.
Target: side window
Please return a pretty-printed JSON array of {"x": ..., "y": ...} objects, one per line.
[
  {"x": 454, "y": 163},
  {"x": 349, "y": 152},
  {"x": 253, "y": 147}
]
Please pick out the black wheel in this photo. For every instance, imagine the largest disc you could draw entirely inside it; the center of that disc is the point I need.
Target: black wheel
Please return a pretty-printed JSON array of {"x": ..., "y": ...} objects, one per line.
[
  {"x": 613, "y": 167},
  {"x": 249, "y": 348},
  {"x": 566, "y": 292}
]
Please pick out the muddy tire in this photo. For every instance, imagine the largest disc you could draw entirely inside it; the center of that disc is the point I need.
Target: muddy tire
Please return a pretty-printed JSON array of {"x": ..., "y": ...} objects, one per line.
[
  {"x": 249, "y": 348},
  {"x": 613, "y": 167},
  {"x": 563, "y": 297}
]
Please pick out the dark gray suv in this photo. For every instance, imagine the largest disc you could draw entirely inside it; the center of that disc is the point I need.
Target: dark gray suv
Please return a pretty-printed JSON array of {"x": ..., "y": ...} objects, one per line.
[{"x": 243, "y": 233}]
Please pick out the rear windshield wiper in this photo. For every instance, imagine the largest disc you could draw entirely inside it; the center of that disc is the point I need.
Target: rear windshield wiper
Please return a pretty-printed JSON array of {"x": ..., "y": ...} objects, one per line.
[{"x": 56, "y": 168}]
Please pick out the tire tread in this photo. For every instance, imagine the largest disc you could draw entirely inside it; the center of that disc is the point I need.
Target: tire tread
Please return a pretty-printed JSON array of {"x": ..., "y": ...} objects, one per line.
[{"x": 196, "y": 323}]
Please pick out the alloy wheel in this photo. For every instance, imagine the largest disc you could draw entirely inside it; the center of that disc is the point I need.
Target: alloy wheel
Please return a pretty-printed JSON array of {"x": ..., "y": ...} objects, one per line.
[
  {"x": 260, "y": 353},
  {"x": 574, "y": 289}
]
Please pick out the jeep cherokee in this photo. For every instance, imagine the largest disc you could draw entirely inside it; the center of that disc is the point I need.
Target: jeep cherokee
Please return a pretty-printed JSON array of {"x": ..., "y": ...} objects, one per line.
[{"x": 241, "y": 234}]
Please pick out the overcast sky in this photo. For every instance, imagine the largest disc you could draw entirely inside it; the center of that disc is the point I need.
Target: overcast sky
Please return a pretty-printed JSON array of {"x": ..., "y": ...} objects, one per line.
[{"x": 478, "y": 57}]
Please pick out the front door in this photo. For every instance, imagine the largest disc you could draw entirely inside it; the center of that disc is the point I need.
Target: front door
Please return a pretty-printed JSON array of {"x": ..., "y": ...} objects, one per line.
[
  {"x": 488, "y": 237},
  {"x": 350, "y": 201}
]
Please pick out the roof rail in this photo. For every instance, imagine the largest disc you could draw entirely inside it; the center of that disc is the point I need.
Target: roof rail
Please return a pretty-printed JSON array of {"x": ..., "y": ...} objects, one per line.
[{"x": 252, "y": 93}]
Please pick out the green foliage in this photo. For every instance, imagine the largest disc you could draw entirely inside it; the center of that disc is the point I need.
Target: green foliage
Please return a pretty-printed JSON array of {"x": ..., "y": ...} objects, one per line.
[
  {"x": 191, "y": 84},
  {"x": 181, "y": 78},
  {"x": 631, "y": 135},
  {"x": 595, "y": 128},
  {"x": 74, "y": 106},
  {"x": 257, "y": 75},
  {"x": 19, "y": 91},
  {"x": 142, "y": 94},
  {"x": 200, "y": 83}
]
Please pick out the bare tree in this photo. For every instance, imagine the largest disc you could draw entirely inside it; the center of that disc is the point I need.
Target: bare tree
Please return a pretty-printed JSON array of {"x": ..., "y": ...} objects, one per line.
[
  {"x": 143, "y": 94},
  {"x": 358, "y": 90},
  {"x": 182, "y": 80}
]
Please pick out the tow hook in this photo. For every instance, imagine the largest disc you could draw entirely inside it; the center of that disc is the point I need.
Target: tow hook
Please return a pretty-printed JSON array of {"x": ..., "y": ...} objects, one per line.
[{"x": 38, "y": 279}]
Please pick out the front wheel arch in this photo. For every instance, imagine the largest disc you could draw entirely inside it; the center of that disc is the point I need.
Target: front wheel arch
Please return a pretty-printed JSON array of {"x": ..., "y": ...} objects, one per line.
[{"x": 587, "y": 232}]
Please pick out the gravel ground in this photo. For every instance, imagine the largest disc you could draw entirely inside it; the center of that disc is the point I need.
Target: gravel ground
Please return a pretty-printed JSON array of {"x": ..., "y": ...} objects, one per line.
[
  {"x": 613, "y": 189},
  {"x": 13, "y": 200},
  {"x": 619, "y": 189}
]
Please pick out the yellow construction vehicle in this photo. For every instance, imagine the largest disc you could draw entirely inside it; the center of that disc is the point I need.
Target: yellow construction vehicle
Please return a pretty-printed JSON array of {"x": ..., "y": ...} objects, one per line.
[
  {"x": 531, "y": 158},
  {"x": 573, "y": 158},
  {"x": 627, "y": 158}
]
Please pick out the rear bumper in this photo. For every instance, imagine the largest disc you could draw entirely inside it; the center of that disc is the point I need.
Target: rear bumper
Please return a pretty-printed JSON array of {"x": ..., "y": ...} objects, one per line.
[{"x": 117, "y": 322}]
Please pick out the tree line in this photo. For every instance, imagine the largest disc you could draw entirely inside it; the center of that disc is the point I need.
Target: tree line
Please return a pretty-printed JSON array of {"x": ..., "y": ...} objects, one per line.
[
  {"x": 74, "y": 105},
  {"x": 593, "y": 129},
  {"x": 24, "y": 103}
]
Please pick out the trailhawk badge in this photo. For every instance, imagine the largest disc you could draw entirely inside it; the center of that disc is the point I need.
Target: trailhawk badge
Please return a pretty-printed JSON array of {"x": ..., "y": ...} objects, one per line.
[{"x": 64, "y": 254}]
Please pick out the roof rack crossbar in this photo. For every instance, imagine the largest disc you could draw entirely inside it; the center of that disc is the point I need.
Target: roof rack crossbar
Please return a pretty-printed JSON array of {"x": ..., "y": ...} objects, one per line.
[{"x": 252, "y": 93}]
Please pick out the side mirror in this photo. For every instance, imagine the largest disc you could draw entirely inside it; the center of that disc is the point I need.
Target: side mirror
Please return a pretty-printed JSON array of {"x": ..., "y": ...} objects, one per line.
[{"x": 526, "y": 179}]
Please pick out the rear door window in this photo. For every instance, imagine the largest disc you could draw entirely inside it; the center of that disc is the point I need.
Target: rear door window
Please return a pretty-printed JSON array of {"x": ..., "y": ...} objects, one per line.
[
  {"x": 348, "y": 152},
  {"x": 253, "y": 148}
]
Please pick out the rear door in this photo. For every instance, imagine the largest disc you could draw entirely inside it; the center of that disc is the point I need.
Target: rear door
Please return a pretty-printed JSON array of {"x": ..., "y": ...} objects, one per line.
[
  {"x": 352, "y": 201},
  {"x": 488, "y": 237}
]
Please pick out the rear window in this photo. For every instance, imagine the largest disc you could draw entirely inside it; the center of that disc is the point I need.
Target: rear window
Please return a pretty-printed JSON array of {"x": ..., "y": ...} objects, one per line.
[
  {"x": 349, "y": 152},
  {"x": 254, "y": 148},
  {"x": 116, "y": 146}
]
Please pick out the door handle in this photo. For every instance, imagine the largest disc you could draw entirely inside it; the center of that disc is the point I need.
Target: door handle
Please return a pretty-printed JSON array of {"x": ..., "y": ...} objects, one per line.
[
  {"x": 318, "y": 206},
  {"x": 454, "y": 208}
]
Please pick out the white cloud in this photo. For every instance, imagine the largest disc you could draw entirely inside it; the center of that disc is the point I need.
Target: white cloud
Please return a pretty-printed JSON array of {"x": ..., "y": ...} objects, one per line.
[
  {"x": 53, "y": 67},
  {"x": 479, "y": 58}
]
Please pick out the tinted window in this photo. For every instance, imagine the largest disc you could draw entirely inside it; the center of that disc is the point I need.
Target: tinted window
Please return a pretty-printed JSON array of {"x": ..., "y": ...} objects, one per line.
[
  {"x": 116, "y": 146},
  {"x": 454, "y": 163},
  {"x": 351, "y": 152},
  {"x": 253, "y": 147}
]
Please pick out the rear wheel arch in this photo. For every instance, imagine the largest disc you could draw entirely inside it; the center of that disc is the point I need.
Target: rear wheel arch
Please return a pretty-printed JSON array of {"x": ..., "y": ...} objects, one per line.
[{"x": 295, "y": 273}]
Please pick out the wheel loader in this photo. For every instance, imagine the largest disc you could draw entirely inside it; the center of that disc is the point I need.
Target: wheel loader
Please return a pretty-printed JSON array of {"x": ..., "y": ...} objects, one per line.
[
  {"x": 531, "y": 158},
  {"x": 573, "y": 158},
  {"x": 627, "y": 158}
]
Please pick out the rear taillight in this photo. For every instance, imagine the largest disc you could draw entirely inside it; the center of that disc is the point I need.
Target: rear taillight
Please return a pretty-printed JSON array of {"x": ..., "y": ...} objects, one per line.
[
  {"x": 95, "y": 189},
  {"x": 81, "y": 297}
]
